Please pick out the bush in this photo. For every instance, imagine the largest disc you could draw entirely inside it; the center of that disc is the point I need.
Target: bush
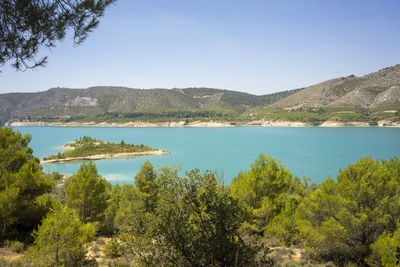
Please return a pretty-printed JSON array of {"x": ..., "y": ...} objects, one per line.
[
  {"x": 15, "y": 246},
  {"x": 169, "y": 220},
  {"x": 386, "y": 250},
  {"x": 113, "y": 248},
  {"x": 342, "y": 219},
  {"x": 270, "y": 195},
  {"x": 61, "y": 240}
]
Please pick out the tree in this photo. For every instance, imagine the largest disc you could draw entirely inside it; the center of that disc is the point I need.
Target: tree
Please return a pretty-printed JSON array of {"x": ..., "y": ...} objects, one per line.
[
  {"x": 270, "y": 195},
  {"x": 194, "y": 222},
  {"x": 22, "y": 186},
  {"x": 87, "y": 193},
  {"x": 198, "y": 223},
  {"x": 132, "y": 206},
  {"x": 145, "y": 182},
  {"x": 61, "y": 239},
  {"x": 28, "y": 25},
  {"x": 113, "y": 205},
  {"x": 341, "y": 219}
]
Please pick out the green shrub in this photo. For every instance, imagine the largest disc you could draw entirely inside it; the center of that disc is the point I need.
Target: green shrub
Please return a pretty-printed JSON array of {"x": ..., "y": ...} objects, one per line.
[
  {"x": 15, "y": 246},
  {"x": 385, "y": 251},
  {"x": 113, "y": 249},
  {"x": 61, "y": 240},
  {"x": 342, "y": 219}
]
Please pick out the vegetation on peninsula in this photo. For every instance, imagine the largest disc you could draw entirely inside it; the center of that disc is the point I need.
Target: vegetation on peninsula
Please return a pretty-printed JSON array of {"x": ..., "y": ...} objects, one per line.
[{"x": 88, "y": 147}]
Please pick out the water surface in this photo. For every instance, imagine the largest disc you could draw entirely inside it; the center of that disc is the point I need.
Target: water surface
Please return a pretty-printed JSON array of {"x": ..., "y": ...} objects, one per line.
[{"x": 306, "y": 151}]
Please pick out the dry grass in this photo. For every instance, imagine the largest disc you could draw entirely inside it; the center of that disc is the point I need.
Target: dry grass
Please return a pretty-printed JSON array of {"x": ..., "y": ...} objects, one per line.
[{"x": 6, "y": 255}]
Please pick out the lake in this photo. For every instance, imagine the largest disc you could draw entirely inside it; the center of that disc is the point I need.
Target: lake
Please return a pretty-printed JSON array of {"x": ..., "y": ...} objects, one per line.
[{"x": 316, "y": 152}]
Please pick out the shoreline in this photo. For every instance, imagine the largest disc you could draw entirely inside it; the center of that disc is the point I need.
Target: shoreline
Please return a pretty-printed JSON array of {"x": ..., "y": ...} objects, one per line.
[
  {"x": 261, "y": 123},
  {"x": 106, "y": 156}
]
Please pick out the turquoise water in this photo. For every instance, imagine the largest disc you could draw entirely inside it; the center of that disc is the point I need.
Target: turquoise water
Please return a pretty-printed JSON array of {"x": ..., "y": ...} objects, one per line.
[{"x": 310, "y": 151}]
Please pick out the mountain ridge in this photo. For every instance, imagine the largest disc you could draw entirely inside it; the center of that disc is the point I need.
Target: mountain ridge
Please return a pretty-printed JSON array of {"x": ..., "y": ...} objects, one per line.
[
  {"x": 370, "y": 93},
  {"x": 367, "y": 91},
  {"x": 65, "y": 102}
]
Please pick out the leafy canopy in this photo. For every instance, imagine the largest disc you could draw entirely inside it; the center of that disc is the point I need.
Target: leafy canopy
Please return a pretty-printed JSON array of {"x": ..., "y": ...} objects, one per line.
[
  {"x": 181, "y": 221},
  {"x": 270, "y": 195},
  {"x": 386, "y": 250},
  {"x": 61, "y": 239},
  {"x": 341, "y": 220},
  {"x": 22, "y": 186},
  {"x": 199, "y": 221},
  {"x": 87, "y": 193},
  {"x": 28, "y": 25},
  {"x": 145, "y": 182}
]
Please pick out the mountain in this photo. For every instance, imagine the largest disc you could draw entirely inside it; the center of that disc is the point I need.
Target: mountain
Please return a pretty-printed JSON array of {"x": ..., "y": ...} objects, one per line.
[
  {"x": 64, "y": 103},
  {"x": 378, "y": 90},
  {"x": 371, "y": 98}
]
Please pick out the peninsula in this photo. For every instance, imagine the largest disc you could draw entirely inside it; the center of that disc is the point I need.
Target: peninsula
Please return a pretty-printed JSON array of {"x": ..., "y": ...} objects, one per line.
[{"x": 88, "y": 148}]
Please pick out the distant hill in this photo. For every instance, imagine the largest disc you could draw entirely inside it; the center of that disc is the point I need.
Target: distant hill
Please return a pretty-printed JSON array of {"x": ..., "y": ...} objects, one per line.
[
  {"x": 364, "y": 96},
  {"x": 64, "y": 103},
  {"x": 376, "y": 90}
]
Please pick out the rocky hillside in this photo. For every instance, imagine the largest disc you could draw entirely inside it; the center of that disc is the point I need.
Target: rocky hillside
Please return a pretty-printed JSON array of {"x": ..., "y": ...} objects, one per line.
[
  {"x": 375, "y": 92},
  {"x": 378, "y": 90},
  {"x": 73, "y": 103}
]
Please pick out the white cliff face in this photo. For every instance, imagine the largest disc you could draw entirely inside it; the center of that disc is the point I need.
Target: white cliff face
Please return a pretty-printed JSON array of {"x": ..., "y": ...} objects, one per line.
[
  {"x": 389, "y": 97},
  {"x": 84, "y": 101}
]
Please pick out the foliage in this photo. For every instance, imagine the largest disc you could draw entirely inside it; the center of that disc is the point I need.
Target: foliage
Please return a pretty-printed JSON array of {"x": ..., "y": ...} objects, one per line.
[
  {"x": 83, "y": 140},
  {"x": 169, "y": 220},
  {"x": 200, "y": 221},
  {"x": 88, "y": 146},
  {"x": 183, "y": 114},
  {"x": 22, "y": 186},
  {"x": 270, "y": 195},
  {"x": 131, "y": 208},
  {"x": 61, "y": 240},
  {"x": 386, "y": 250},
  {"x": 87, "y": 193},
  {"x": 317, "y": 116},
  {"x": 56, "y": 176},
  {"x": 145, "y": 182},
  {"x": 113, "y": 248},
  {"x": 108, "y": 226},
  {"x": 26, "y": 26},
  {"x": 308, "y": 116},
  {"x": 15, "y": 246},
  {"x": 341, "y": 219}
]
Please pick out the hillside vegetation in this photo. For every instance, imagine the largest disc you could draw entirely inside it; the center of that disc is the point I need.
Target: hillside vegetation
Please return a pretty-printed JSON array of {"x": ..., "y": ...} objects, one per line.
[
  {"x": 378, "y": 90},
  {"x": 125, "y": 104},
  {"x": 370, "y": 98}
]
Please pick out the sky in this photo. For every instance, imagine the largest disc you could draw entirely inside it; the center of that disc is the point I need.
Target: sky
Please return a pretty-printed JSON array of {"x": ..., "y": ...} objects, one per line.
[{"x": 254, "y": 46}]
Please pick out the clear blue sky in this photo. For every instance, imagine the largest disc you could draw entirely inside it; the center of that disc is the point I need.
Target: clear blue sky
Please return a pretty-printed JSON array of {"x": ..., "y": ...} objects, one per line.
[{"x": 256, "y": 46}]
